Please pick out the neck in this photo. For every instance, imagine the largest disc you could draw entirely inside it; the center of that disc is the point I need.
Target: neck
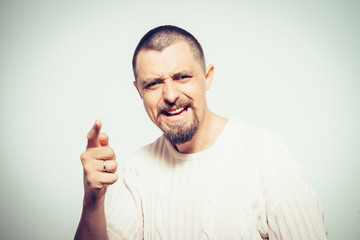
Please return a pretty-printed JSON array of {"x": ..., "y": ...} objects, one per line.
[{"x": 209, "y": 130}]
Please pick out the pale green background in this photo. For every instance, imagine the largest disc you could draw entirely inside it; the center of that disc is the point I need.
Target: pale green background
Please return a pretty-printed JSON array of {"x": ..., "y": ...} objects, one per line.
[{"x": 291, "y": 67}]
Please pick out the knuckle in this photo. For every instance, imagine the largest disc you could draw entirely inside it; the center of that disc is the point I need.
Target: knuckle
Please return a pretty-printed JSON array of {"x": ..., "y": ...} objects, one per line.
[
  {"x": 83, "y": 157},
  {"x": 87, "y": 167},
  {"x": 92, "y": 180}
]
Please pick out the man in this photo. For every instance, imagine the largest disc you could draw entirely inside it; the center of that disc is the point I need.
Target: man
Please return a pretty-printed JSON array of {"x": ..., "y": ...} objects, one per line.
[{"x": 207, "y": 177}]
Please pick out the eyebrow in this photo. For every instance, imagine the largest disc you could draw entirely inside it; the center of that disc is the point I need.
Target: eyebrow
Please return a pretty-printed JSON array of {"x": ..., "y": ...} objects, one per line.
[
  {"x": 182, "y": 73},
  {"x": 151, "y": 80},
  {"x": 176, "y": 75}
]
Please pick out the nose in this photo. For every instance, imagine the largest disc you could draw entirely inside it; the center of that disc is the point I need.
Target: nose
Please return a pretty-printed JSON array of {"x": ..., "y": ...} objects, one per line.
[{"x": 170, "y": 91}]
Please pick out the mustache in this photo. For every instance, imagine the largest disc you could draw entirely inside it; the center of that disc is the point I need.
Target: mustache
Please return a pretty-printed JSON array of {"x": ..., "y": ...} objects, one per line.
[{"x": 178, "y": 103}]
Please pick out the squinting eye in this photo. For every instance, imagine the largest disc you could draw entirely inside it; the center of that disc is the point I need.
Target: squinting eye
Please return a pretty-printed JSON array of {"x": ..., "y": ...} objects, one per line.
[
  {"x": 151, "y": 84},
  {"x": 185, "y": 76}
]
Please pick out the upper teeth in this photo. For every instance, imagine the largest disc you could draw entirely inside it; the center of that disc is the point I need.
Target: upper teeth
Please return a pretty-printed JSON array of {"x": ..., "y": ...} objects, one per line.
[{"x": 175, "y": 111}]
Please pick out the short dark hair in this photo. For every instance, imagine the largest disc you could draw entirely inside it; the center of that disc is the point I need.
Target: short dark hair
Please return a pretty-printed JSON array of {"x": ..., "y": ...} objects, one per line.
[{"x": 163, "y": 36}]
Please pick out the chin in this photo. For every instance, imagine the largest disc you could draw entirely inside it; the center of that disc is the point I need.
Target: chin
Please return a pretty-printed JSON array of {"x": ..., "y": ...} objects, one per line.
[{"x": 181, "y": 133}]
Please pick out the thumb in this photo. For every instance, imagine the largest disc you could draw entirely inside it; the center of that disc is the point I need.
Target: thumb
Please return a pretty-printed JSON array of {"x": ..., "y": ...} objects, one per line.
[{"x": 103, "y": 139}]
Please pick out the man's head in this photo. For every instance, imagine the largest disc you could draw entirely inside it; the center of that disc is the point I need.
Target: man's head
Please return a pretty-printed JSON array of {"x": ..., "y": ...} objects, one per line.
[{"x": 171, "y": 78}]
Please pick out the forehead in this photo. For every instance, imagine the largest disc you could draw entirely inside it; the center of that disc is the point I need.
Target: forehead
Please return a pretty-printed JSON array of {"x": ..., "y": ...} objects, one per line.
[{"x": 176, "y": 57}]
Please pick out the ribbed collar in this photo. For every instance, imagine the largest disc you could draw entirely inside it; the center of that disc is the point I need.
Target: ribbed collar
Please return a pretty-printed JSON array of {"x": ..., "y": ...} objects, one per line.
[{"x": 203, "y": 154}]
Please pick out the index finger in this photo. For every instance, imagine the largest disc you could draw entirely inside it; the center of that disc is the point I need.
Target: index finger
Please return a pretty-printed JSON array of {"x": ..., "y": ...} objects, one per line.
[{"x": 93, "y": 135}]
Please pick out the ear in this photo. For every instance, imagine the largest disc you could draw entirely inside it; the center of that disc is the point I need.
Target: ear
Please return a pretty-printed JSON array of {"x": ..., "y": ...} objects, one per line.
[
  {"x": 137, "y": 88},
  {"x": 209, "y": 75}
]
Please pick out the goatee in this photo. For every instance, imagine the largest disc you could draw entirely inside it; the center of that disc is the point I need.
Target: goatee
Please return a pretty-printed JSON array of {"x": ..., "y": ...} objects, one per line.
[{"x": 182, "y": 132}]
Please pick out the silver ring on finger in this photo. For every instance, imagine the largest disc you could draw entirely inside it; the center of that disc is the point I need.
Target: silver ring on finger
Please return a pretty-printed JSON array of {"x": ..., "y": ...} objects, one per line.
[{"x": 104, "y": 166}]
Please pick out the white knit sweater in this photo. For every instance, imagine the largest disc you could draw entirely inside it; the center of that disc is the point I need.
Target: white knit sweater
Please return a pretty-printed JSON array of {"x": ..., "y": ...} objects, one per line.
[{"x": 246, "y": 186}]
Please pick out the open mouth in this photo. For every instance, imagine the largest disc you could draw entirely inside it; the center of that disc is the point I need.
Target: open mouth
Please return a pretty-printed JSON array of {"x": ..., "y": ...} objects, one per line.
[{"x": 175, "y": 112}]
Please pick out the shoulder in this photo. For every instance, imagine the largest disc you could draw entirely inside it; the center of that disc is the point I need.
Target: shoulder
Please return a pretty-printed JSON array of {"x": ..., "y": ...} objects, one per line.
[
  {"x": 287, "y": 193},
  {"x": 264, "y": 149},
  {"x": 254, "y": 138},
  {"x": 147, "y": 157}
]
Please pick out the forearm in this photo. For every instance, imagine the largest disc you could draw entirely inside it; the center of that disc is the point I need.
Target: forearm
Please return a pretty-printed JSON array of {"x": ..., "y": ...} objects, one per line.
[{"x": 92, "y": 224}]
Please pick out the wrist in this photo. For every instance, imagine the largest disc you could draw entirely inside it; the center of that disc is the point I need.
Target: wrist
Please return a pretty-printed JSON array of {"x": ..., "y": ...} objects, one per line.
[{"x": 94, "y": 199}]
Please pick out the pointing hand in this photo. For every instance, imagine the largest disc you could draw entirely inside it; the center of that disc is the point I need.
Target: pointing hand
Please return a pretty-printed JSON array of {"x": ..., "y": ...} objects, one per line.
[{"x": 99, "y": 164}]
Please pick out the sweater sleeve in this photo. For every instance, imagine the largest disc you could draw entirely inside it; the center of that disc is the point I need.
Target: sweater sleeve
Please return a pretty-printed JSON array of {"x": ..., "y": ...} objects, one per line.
[
  {"x": 124, "y": 213},
  {"x": 297, "y": 215},
  {"x": 293, "y": 209}
]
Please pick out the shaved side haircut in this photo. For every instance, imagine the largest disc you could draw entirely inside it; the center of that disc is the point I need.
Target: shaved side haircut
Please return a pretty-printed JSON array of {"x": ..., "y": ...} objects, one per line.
[{"x": 161, "y": 37}]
